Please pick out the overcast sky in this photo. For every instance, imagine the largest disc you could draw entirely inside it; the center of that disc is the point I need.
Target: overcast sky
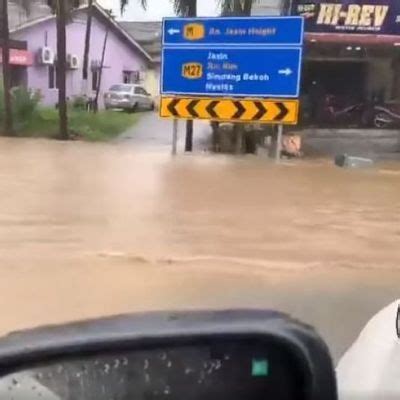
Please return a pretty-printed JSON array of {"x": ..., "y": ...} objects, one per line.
[{"x": 156, "y": 9}]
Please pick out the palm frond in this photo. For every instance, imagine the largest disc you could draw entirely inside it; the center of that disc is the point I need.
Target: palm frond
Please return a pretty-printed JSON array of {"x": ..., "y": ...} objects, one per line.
[
  {"x": 185, "y": 8},
  {"x": 180, "y": 7},
  {"x": 236, "y": 7},
  {"x": 124, "y": 3}
]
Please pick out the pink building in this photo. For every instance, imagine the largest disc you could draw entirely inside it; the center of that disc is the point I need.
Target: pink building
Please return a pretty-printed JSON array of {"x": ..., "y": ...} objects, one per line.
[{"x": 125, "y": 60}]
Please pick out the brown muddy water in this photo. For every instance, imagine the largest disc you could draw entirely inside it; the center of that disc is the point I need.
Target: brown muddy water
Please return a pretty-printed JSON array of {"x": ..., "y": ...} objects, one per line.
[{"x": 98, "y": 229}]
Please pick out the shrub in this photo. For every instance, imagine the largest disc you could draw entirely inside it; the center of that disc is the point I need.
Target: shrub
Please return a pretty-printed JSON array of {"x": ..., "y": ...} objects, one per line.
[
  {"x": 79, "y": 102},
  {"x": 25, "y": 102}
]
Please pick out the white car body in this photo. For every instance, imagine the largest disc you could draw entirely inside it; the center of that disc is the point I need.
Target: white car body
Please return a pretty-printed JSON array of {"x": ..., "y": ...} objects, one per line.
[
  {"x": 370, "y": 368},
  {"x": 129, "y": 97}
]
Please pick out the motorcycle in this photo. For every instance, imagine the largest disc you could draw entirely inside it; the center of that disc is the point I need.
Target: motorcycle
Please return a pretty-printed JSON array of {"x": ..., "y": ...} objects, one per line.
[
  {"x": 334, "y": 113},
  {"x": 387, "y": 116}
]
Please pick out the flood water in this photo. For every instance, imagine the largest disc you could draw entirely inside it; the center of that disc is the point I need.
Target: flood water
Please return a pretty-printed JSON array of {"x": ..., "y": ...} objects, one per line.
[{"x": 98, "y": 229}]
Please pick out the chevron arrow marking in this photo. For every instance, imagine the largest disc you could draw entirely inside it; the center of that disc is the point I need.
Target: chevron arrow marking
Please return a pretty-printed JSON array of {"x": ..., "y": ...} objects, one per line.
[
  {"x": 283, "y": 111},
  {"x": 225, "y": 109},
  {"x": 240, "y": 110},
  {"x": 261, "y": 111},
  {"x": 211, "y": 108},
  {"x": 192, "y": 108},
  {"x": 171, "y": 107}
]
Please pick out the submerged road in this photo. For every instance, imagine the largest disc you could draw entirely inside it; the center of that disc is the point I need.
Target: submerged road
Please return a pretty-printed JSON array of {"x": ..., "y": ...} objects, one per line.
[{"x": 98, "y": 229}]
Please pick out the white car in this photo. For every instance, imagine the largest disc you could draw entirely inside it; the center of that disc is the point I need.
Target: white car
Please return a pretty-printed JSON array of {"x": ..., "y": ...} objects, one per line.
[{"x": 129, "y": 97}]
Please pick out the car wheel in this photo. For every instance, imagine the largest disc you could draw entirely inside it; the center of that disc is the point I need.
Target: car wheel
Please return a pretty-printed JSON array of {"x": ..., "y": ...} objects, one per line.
[{"x": 134, "y": 108}]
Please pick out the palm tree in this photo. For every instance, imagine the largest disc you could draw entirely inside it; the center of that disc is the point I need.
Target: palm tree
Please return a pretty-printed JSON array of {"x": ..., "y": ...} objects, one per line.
[
  {"x": 61, "y": 18},
  {"x": 183, "y": 8},
  {"x": 62, "y": 9},
  {"x": 188, "y": 8},
  {"x": 5, "y": 35},
  {"x": 123, "y": 4},
  {"x": 236, "y": 7}
]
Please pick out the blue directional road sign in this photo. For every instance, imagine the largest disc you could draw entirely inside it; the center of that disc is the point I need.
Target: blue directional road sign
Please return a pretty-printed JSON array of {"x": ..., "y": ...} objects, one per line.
[
  {"x": 239, "y": 31},
  {"x": 231, "y": 72}
]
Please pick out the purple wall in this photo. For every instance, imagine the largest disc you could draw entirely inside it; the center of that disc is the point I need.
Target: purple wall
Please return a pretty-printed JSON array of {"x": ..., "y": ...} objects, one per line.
[{"x": 119, "y": 55}]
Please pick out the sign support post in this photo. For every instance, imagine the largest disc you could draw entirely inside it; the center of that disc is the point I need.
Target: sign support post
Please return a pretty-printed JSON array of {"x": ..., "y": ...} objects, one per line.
[
  {"x": 279, "y": 144},
  {"x": 174, "y": 136}
]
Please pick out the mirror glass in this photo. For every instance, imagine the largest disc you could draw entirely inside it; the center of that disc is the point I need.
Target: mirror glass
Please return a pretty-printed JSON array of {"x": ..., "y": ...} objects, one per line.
[{"x": 225, "y": 370}]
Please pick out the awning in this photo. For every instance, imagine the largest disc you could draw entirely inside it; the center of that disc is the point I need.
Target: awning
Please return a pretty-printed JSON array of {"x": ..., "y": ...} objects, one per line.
[
  {"x": 19, "y": 57},
  {"x": 353, "y": 38}
]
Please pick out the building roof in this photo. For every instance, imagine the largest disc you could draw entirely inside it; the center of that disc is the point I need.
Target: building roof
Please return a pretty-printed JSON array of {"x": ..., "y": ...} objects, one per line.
[
  {"x": 103, "y": 14},
  {"x": 147, "y": 34}
]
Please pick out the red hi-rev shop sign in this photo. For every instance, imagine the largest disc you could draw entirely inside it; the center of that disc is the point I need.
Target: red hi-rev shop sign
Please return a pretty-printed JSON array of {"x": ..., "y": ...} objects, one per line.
[{"x": 350, "y": 16}]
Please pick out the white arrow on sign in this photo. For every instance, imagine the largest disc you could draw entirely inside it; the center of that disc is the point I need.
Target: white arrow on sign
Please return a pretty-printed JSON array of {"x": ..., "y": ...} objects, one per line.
[
  {"x": 286, "y": 71},
  {"x": 173, "y": 31}
]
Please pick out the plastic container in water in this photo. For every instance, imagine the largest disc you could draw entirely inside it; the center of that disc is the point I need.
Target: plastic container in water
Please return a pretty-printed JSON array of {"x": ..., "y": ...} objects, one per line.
[{"x": 346, "y": 161}]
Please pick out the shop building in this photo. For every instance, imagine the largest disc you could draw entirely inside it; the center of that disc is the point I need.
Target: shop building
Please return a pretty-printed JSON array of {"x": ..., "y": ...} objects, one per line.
[{"x": 352, "y": 55}]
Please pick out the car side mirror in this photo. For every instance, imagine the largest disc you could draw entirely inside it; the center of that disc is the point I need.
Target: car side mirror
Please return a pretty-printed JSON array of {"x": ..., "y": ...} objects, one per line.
[{"x": 252, "y": 355}]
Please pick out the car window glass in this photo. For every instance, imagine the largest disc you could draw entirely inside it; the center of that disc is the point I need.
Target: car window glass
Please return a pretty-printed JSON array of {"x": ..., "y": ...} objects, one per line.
[{"x": 120, "y": 88}]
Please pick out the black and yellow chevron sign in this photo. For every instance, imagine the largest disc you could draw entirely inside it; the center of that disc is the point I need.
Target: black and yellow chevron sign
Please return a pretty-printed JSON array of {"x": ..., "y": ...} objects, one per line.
[{"x": 246, "y": 110}]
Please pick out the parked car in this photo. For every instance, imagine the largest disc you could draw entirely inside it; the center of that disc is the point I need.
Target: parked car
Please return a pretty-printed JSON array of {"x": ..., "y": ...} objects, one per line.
[{"x": 129, "y": 97}]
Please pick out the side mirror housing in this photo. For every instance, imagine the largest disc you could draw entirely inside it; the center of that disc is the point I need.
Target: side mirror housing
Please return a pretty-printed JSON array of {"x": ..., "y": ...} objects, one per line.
[{"x": 193, "y": 355}]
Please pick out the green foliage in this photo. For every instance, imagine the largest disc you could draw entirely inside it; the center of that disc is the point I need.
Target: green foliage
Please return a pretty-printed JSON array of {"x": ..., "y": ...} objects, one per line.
[
  {"x": 102, "y": 126},
  {"x": 237, "y": 7},
  {"x": 124, "y": 3},
  {"x": 79, "y": 102},
  {"x": 24, "y": 104}
]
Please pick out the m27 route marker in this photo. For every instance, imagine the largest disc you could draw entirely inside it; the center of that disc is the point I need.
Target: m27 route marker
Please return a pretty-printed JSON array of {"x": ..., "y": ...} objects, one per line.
[
  {"x": 246, "y": 110},
  {"x": 232, "y": 69}
]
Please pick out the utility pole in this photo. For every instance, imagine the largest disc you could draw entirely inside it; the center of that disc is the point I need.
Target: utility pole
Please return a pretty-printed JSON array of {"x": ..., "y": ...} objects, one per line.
[
  {"x": 5, "y": 35},
  {"x": 85, "y": 68},
  {"x": 98, "y": 83},
  {"x": 191, "y": 11},
  {"x": 240, "y": 9},
  {"x": 61, "y": 22}
]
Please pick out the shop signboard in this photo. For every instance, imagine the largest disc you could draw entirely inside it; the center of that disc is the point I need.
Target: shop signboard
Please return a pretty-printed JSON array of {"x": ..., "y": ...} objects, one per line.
[
  {"x": 18, "y": 57},
  {"x": 379, "y": 17}
]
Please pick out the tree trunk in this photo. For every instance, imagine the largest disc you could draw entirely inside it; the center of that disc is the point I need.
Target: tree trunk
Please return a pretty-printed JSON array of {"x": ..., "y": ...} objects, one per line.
[
  {"x": 85, "y": 69},
  {"x": 62, "y": 68},
  {"x": 192, "y": 8},
  {"x": 237, "y": 7},
  {"x": 8, "y": 117},
  {"x": 103, "y": 55},
  {"x": 241, "y": 8},
  {"x": 191, "y": 12}
]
